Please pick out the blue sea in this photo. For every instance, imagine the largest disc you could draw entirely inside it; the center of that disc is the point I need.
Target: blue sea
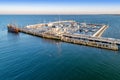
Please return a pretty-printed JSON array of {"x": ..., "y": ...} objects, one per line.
[{"x": 26, "y": 57}]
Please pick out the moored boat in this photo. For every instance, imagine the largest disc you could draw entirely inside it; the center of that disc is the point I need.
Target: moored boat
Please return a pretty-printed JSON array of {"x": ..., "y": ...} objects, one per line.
[{"x": 12, "y": 28}]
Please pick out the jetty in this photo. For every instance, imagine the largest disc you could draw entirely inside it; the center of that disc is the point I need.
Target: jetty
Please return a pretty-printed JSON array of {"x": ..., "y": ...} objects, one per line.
[{"x": 74, "y": 32}]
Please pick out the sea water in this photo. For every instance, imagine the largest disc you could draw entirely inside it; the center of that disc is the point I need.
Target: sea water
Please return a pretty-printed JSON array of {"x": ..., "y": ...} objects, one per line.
[{"x": 27, "y": 57}]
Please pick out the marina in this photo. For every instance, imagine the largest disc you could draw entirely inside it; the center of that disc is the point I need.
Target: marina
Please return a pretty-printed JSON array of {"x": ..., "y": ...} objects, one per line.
[{"x": 74, "y": 32}]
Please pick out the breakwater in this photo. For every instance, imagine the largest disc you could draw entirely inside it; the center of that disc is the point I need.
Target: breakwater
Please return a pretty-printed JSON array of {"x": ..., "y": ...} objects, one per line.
[
  {"x": 82, "y": 40},
  {"x": 100, "y": 31},
  {"x": 73, "y": 32}
]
